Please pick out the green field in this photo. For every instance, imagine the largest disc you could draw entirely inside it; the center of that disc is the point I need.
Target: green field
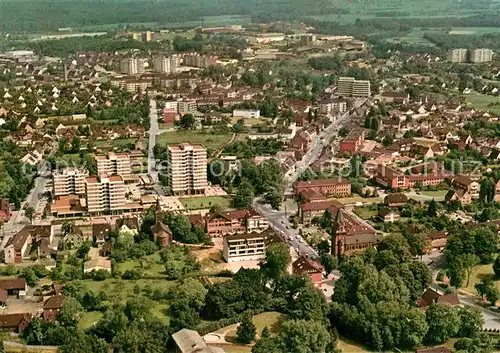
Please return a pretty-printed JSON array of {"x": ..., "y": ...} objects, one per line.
[
  {"x": 475, "y": 30},
  {"x": 150, "y": 265},
  {"x": 209, "y": 140},
  {"x": 483, "y": 102},
  {"x": 89, "y": 318},
  {"x": 479, "y": 273},
  {"x": 365, "y": 212},
  {"x": 436, "y": 194},
  {"x": 197, "y": 203}
]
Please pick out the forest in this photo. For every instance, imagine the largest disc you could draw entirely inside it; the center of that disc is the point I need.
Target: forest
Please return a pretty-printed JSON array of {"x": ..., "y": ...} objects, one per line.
[{"x": 51, "y": 14}]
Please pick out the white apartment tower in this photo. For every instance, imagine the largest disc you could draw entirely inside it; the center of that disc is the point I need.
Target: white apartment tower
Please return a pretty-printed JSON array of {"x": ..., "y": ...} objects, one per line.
[
  {"x": 187, "y": 168},
  {"x": 457, "y": 55},
  {"x": 113, "y": 164},
  {"x": 132, "y": 66},
  {"x": 481, "y": 55},
  {"x": 105, "y": 194},
  {"x": 166, "y": 64},
  {"x": 69, "y": 181},
  {"x": 350, "y": 87}
]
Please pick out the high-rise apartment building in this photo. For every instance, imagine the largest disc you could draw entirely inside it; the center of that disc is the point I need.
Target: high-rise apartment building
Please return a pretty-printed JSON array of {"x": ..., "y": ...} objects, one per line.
[
  {"x": 166, "y": 64},
  {"x": 69, "y": 181},
  {"x": 481, "y": 55},
  {"x": 457, "y": 55},
  {"x": 105, "y": 194},
  {"x": 187, "y": 168},
  {"x": 198, "y": 60},
  {"x": 147, "y": 36},
  {"x": 132, "y": 66},
  {"x": 113, "y": 164},
  {"x": 350, "y": 87}
]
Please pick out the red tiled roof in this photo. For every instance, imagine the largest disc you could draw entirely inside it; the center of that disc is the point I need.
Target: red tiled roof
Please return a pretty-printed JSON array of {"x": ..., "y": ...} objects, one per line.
[{"x": 54, "y": 302}]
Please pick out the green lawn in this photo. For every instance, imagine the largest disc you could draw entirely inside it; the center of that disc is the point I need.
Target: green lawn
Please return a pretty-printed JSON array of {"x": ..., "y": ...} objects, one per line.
[
  {"x": 209, "y": 140},
  {"x": 483, "y": 102},
  {"x": 357, "y": 198},
  {"x": 196, "y": 203},
  {"x": 151, "y": 266},
  {"x": 439, "y": 193},
  {"x": 125, "y": 288},
  {"x": 89, "y": 318},
  {"x": 270, "y": 319},
  {"x": 480, "y": 272},
  {"x": 365, "y": 212},
  {"x": 349, "y": 346}
]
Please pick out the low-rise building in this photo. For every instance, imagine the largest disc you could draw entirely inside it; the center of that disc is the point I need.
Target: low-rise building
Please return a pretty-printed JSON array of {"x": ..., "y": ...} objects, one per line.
[
  {"x": 388, "y": 215},
  {"x": 310, "y": 268},
  {"x": 238, "y": 221},
  {"x": 395, "y": 200},
  {"x": 246, "y": 113},
  {"x": 391, "y": 178},
  {"x": 243, "y": 247},
  {"x": 14, "y": 322},
  {"x": 462, "y": 196},
  {"x": 17, "y": 246},
  {"x": 190, "y": 341},
  {"x": 52, "y": 307},
  {"x": 353, "y": 141},
  {"x": 338, "y": 187}
]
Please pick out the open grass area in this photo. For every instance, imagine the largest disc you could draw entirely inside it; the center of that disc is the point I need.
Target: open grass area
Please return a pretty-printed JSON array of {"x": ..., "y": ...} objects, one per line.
[
  {"x": 475, "y": 30},
  {"x": 365, "y": 212},
  {"x": 125, "y": 288},
  {"x": 89, "y": 318},
  {"x": 436, "y": 194},
  {"x": 270, "y": 319},
  {"x": 209, "y": 140},
  {"x": 150, "y": 265},
  {"x": 349, "y": 346},
  {"x": 354, "y": 199},
  {"x": 480, "y": 272},
  {"x": 197, "y": 203},
  {"x": 483, "y": 102}
]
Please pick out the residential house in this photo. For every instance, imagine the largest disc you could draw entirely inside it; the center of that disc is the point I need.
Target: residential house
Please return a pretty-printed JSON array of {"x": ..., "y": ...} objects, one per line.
[
  {"x": 190, "y": 341},
  {"x": 431, "y": 296},
  {"x": 437, "y": 240},
  {"x": 5, "y": 210},
  {"x": 353, "y": 141},
  {"x": 388, "y": 215},
  {"x": 402, "y": 98},
  {"x": 247, "y": 246},
  {"x": 497, "y": 192},
  {"x": 17, "y": 246},
  {"x": 14, "y": 286},
  {"x": 52, "y": 307},
  {"x": 395, "y": 200},
  {"x": 471, "y": 186},
  {"x": 462, "y": 196},
  {"x": 98, "y": 263},
  {"x": 309, "y": 268},
  {"x": 14, "y": 322}
]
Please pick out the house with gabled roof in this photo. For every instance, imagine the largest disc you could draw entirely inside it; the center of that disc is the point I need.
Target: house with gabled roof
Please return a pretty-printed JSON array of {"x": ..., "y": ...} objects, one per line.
[{"x": 309, "y": 268}]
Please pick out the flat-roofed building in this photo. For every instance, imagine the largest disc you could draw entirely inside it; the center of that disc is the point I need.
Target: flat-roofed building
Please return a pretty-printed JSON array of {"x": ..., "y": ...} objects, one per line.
[
  {"x": 69, "y": 181},
  {"x": 243, "y": 247},
  {"x": 113, "y": 164},
  {"x": 350, "y": 87},
  {"x": 481, "y": 55},
  {"x": 187, "y": 168},
  {"x": 132, "y": 66},
  {"x": 105, "y": 194},
  {"x": 338, "y": 187},
  {"x": 457, "y": 55}
]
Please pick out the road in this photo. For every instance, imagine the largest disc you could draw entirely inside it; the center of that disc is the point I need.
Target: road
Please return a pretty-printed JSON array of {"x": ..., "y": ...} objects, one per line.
[
  {"x": 278, "y": 219},
  {"x": 436, "y": 261},
  {"x": 154, "y": 130}
]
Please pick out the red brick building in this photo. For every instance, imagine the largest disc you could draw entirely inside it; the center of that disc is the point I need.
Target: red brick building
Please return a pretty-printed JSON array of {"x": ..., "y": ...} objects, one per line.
[
  {"x": 14, "y": 322},
  {"x": 391, "y": 178},
  {"x": 353, "y": 141},
  {"x": 338, "y": 187},
  {"x": 310, "y": 268},
  {"x": 221, "y": 223},
  {"x": 52, "y": 307}
]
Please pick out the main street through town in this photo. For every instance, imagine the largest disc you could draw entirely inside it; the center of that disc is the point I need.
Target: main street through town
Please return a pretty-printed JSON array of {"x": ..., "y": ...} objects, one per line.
[{"x": 279, "y": 219}]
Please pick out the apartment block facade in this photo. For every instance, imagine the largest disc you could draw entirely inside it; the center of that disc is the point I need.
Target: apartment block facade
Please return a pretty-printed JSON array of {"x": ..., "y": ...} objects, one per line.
[
  {"x": 105, "y": 194},
  {"x": 481, "y": 55},
  {"x": 187, "y": 168},
  {"x": 350, "y": 87},
  {"x": 69, "y": 181},
  {"x": 132, "y": 66},
  {"x": 457, "y": 55},
  {"x": 113, "y": 164},
  {"x": 166, "y": 64},
  {"x": 243, "y": 247}
]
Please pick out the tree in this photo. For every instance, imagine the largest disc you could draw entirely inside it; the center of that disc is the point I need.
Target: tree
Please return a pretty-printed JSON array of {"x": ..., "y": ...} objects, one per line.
[
  {"x": 277, "y": 260},
  {"x": 387, "y": 141},
  {"x": 29, "y": 212},
  {"x": 274, "y": 198},
  {"x": 443, "y": 321},
  {"x": 487, "y": 288},
  {"x": 486, "y": 192},
  {"x": 328, "y": 262},
  {"x": 343, "y": 131},
  {"x": 246, "y": 330},
  {"x": 323, "y": 247},
  {"x": 496, "y": 267},
  {"x": 471, "y": 321},
  {"x": 187, "y": 122},
  {"x": 29, "y": 275},
  {"x": 70, "y": 313},
  {"x": 244, "y": 196},
  {"x": 432, "y": 208},
  {"x": 468, "y": 262},
  {"x": 67, "y": 227},
  {"x": 265, "y": 333},
  {"x": 303, "y": 336}
]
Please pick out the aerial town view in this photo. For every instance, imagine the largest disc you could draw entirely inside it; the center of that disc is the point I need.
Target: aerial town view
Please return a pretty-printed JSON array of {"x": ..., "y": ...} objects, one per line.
[{"x": 250, "y": 176}]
